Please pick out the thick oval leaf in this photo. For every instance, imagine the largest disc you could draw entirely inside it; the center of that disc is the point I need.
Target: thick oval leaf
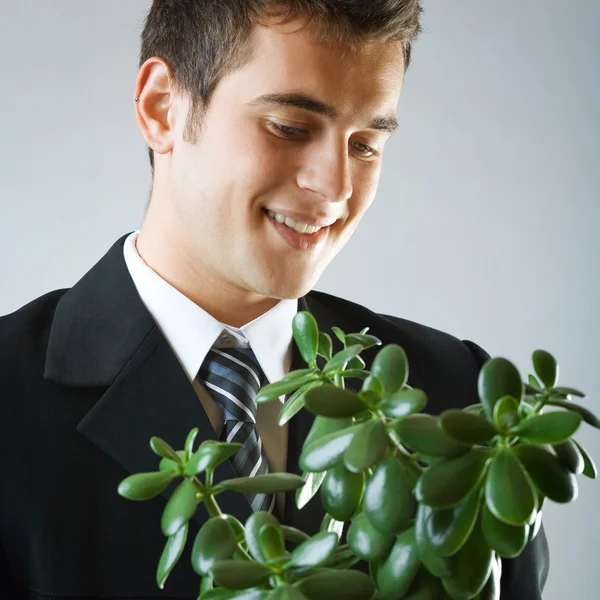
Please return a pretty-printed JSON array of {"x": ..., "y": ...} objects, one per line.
[
  {"x": 403, "y": 403},
  {"x": 169, "y": 465},
  {"x": 448, "y": 481},
  {"x": 239, "y": 575},
  {"x": 331, "y": 525},
  {"x": 389, "y": 504},
  {"x": 272, "y": 544},
  {"x": 215, "y": 541},
  {"x": 170, "y": 555},
  {"x": 465, "y": 427},
  {"x": 589, "y": 467},
  {"x": 349, "y": 585},
  {"x": 312, "y": 483},
  {"x": 343, "y": 558},
  {"x": 162, "y": 449},
  {"x": 287, "y": 592},
  {"x": 291, "y": 534},
  {"x": 189, "y": 443},
  {"x": 449, "y": 528},
  {"x": 314, "y": 551},
  {"x": 285, "y": 386},
  {"x": 341, "y": 358},
  {"x": 323, "y": 426},
  {"x": 498, "y": 378},
  {"x": 365, "y": 340},
  {"x": 209, "y": 456},
  {"x": 372, "y": 384},
  {"x": 399, "y": 570},
  {"x": 438, "y": 566},
  {"x": 339, "y": 334},
  {"x": 143, "y": 486},
  {"x": 547, "y": 473},
  {"x": 341, "y": 492},
  {"x": 369, "y": 446},
  {"x": 295, "y": 403},
  {"x": 325, "y": 345},
  {"x": 506, "y": 540},
  {"x": 255, "y": 522},
  {"x": 548, "y": 428},
  {"x": 306, "y": 336},
  {"x": 506, "y": 413},
  {"x": 508, "y": 493},
  {"x": 333, "y": 402},
  {"x": 180, "y": 508},
  {"x": 390, "y": 366},
  {"x": 422, "y": 434},
  {"x": 567, "y": 391},
  {"x": 545, "y": 367},
  {"x": 491, "y": 590},
  {"x": 589, "y": 417},
  {"x": 471, "y": 566},
  {"x": 367, "y": 542},
  {"x": 265, "y": 484},
  {"x": 327, "y": 451}
]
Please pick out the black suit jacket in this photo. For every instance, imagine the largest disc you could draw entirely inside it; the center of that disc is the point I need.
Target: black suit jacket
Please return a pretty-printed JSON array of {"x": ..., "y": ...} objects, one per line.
[{"x": 86, "y": 378}]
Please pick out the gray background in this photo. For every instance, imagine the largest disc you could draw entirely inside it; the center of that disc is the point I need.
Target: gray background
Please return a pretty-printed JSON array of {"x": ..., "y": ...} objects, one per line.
[{"x": 485, "y": 217}]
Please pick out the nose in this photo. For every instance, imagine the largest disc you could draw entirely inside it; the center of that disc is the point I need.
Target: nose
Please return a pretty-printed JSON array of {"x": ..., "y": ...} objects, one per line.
[{"x": 326, "y": 172}]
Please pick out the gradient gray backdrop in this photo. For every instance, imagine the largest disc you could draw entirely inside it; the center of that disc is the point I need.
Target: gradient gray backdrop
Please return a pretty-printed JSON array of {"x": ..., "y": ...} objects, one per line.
[{"x": 485, "y": 220}]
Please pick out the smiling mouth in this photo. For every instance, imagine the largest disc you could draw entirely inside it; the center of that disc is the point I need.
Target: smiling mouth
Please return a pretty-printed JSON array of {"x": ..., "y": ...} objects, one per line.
[{"x": 271, "y": 215}]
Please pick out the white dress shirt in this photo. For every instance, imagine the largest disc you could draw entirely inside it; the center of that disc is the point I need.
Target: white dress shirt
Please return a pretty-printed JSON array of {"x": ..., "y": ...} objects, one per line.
[{"x": 192, "y": 332}]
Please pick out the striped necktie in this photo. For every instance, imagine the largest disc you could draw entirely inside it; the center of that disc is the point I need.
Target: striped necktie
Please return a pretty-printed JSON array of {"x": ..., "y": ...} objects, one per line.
[{"x": 233, "y": 377}]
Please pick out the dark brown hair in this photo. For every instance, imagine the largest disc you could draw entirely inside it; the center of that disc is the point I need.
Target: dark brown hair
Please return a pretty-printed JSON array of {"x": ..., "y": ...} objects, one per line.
[{"x": 204, "y": 40}]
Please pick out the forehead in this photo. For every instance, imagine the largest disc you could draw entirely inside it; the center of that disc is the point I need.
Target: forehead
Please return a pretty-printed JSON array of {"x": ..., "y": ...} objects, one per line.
[{"x": 290, "y": 57}]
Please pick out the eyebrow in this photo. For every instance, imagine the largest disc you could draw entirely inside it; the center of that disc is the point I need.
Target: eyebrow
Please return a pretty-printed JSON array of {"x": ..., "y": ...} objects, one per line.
[{"x": 310, "y": 104}]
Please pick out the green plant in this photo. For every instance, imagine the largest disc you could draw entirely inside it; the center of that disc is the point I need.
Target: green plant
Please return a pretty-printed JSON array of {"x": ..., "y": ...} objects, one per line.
[{"x": 433, "y": 502}]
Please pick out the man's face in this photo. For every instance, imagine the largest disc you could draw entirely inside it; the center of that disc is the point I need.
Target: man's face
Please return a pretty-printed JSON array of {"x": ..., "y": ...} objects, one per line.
[{"x": 244, "y": 164}]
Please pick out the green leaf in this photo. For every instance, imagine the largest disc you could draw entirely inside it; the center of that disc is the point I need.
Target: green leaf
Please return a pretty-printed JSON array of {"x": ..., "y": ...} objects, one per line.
[
  {"x": 170, "y": 555},
  {"x": 567, "y": 391},
  {"x": 389, "y": 504},
  {"x": 255, "y": 522},
  {"x": 224, "y": 594},
  {"x": 466, "y": 428},
  {"x": 239, "y": 575},
  {"x": 314, "y": 551},
  {"x": 507, "y": 540},
  {"x": 287, "y": 592},
  {"x": 369, "y": 446},
  {"x": 327, "y": 451},
  {"x": 548, "y": 428},
  {"x": 545, "y": 367},
  {"x": 143, "y": 486},
  {"x": 274, "y": 390},
  {"x": 189, "y": 444},
  {"x": 333, "y": 402},
  {"x": 547, "y": 473},
  {"x": 295, "y": 403},
  {"x": 437, "y": 565},
  {"x": 272, "y": 544},
  {"x": 491, "y": 590},
  {"x": 390, "y": 366},
  {"x": 356, "y": 363},
  {"x": 215, "y": 541},
  {"x": 169, "y": 465},
  {"x": 372, "y": 384},
  {"x": 180, "y": 508},
  {"x": 341, "y": 492},
  {"x": 589, "y": 417},
  {"x": 471, "y": 566},
  {"x": 424, "y": 587},
  {"x": 396, "y": 574},
  {"x": 306, "y": 336},
  {"x": 311, "y": 486},
  {"x": 570, "y": 456},
  {"x": 508, "y": 493},
  {"x": 349, "y": 585},
  {"x": 343, "y": 558},
  {"x": 366, "y": 341},
  {"x": 367, "y": 542},
  {"x": 498, "y": 378},
  {"x": 403, "y": 403},
  {"x": 448, "y": 481},
  {"x": 325, "y": 345},
  {"x": 331, "y": 525},
  {"x": 422, "y": 434},
  {"x": 506, "y": 413},
  {"x": 323, "y": 426},
  {"x": 209, "y": 456},
  {"x": 293, "y": 535},
  {"x": 534, "y": 383},
  {"x": 162, "y": 449},
  {"x": 449, "y": 528},
  {"x": 339, "y": 334},
  {"x": 262, "y": 484},
  {"x": 341, "y": 358},
  {"x": 589, "y": 467}
]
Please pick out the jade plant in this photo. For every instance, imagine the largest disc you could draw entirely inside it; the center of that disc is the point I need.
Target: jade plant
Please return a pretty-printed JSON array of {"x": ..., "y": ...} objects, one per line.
[{"x": 433, "y": 501}]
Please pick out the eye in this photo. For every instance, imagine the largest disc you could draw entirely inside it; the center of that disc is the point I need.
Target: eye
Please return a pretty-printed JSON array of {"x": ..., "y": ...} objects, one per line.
[{"x": 290, "y": 132}]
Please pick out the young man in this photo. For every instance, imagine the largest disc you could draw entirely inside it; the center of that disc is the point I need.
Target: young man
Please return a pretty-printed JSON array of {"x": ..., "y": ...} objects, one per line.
[{"x": 266, "y": 124}]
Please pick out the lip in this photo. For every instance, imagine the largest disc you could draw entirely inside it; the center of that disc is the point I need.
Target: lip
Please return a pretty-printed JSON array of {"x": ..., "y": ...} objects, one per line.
[
  {"x": 299, "y": 241},
  {"x": 300, "y": 218}
]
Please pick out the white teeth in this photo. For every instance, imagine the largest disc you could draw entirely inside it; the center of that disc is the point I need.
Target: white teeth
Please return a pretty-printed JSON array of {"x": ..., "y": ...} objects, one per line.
[{"x": 295, "y": 225}]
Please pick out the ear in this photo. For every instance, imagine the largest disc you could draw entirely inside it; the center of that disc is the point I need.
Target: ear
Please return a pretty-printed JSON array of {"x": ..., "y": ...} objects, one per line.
[{"x": 153, "y": 109}]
